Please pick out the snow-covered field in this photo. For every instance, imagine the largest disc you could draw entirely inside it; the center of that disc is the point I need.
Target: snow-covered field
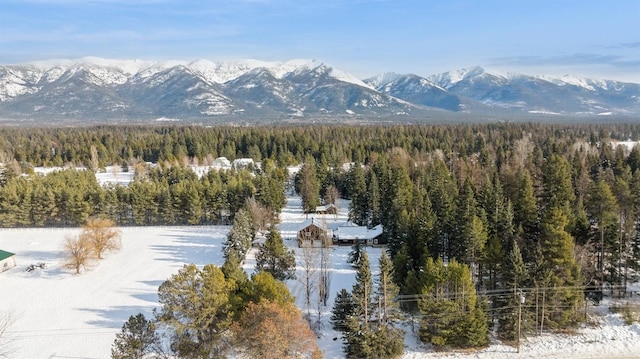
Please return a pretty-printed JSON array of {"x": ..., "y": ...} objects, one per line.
[{"x": 58, "y": 314}]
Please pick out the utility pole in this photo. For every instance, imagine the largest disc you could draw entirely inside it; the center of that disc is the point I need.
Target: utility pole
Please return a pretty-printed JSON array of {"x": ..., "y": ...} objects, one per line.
[{"x": 520, "y": 303}]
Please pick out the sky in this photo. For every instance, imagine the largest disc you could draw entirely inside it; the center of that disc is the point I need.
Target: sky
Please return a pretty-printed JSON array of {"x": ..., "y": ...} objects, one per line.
[{"x": 587, "y": 38}]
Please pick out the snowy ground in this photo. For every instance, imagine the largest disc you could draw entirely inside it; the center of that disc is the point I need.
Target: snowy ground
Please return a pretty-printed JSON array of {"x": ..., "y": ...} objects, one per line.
[{"x": 58, "y": 314}]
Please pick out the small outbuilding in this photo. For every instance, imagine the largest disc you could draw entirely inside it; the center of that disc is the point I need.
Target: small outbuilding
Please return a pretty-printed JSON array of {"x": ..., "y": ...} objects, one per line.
[
  {"x": 327, "y": 209},
  {"x": 7, "y": 260}
]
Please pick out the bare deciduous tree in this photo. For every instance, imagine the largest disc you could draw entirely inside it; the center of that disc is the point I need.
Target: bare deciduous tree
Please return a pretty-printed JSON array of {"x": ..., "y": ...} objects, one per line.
[
  {"x": 115, "y": 170},
  {"x": 101, "y": 235},
  {"x": 331, "y": 195},
  {"x": 522, "y": 149},
  {"x": 94, "y": 162},
  {"x": 78, "y": 252},
  {"x": 324, "y": 285},
  {"x": 324, "y": 282},
  {"x": 263, "y": 218},
  {"x": 308, "y": 260}
]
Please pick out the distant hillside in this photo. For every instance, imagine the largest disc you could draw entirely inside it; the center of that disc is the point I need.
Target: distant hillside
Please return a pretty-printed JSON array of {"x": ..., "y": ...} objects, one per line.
[{"x": 106, "y": 91}]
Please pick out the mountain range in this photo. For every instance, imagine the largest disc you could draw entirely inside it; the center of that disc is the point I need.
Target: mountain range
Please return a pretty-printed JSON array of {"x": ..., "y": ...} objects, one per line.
[{"x": 94, "y": 90}]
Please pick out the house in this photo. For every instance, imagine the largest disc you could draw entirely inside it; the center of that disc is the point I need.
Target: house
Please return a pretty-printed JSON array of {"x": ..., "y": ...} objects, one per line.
[
  {"x": 7, "y": 260},
  {"x": 242, "y": 163},
  {"x": 313, "y": 234},
  {"x": 352, "y": 234},
  {"x": 327, "y": 209},
  {"x": 221, "y": 163}
]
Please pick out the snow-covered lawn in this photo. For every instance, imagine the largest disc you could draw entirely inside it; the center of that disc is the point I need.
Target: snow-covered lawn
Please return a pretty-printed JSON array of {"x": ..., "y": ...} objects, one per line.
[{"x": 58, "y": 314}]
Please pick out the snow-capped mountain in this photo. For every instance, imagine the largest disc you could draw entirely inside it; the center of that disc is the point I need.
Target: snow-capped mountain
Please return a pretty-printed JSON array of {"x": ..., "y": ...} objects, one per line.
[
  {"x": 102, "y": 90},
  {"x": 542, "y": 94},
  {"x": 417, "y": 90}
]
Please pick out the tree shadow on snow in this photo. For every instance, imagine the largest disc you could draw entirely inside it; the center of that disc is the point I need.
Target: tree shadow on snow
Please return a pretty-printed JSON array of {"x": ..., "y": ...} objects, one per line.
[
  {"x": 115, "y": 317},
  {"x": 199, "y": 247}
]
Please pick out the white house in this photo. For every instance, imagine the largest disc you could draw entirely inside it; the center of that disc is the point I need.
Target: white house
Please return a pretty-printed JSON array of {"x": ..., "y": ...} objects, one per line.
[
  {"x": 352, "y": 234},
  {"x": 221, "y": 163},
  {"x": 7, "y": 260},
  {"x": 240, "y": 163}
]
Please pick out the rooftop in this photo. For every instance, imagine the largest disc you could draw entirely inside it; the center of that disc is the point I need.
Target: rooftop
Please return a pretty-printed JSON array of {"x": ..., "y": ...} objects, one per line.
[{"x": 4, "y": 254}]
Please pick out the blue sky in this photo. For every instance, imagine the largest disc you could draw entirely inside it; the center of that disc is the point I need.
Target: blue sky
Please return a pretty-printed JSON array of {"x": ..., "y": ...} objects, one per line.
[{"x": 599, "y": 39}]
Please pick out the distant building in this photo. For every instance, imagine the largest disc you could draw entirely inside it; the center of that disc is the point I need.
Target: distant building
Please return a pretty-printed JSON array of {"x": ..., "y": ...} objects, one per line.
[
  {"x": 7, "y": 260},
  {"x": 241, "y": 163},
  {"x": 352, "y": 234},
  {"x": 313, "y": 233},
  {"x": 221, "y": 162},
  {"x": 327, "y": 209}
]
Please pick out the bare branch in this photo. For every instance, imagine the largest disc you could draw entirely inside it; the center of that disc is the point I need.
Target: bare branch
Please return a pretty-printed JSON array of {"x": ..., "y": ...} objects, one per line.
[{"x": 78, "y": 252}]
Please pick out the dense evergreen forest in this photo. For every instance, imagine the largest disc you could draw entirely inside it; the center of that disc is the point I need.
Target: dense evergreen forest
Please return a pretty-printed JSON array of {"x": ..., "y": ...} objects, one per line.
[{"x": 547, "y": 212}]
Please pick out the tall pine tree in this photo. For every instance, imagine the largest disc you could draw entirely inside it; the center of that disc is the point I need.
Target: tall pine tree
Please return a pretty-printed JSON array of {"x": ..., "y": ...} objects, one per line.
[{"x": 273, "y": 257}]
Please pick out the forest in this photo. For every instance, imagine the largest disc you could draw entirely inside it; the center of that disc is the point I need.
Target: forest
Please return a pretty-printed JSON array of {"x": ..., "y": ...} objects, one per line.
[{"x": 477, "y": 218}]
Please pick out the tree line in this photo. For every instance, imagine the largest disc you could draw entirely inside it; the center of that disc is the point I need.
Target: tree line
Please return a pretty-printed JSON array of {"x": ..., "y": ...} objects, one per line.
[
  {"x": 167, "y": 194},
  {"x": 285, "y": 145}
]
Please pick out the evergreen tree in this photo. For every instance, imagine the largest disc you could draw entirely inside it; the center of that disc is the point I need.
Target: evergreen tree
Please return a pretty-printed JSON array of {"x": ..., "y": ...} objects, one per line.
[
  {"x": 403, "y": 266},
  {"x": 515, "y": 276},
  {"x": 386, "y": 342},
  {"x": 498, "y": 214},
  {"x": 466, "y": 210},
  {"x": 397, "y": 220},
  {"x": 270, "y": 187},
  {"x": 356, "y": 252},
  {"x": 602, "y": 210},
  {"x": 343, "y": 309},
  {"x": 451, "y": 316},
  {"x": 362, "y": 291},
  {"x": 525, "y": 212},
  {"x": 273, "y": 257},
  {"x": 565, "y": 299},
  {"x": 493, "y": 259},
  {"x": 308, "y": 185},
  {"x": 626, "y": 226},
  {"x": 195, "y": 308},
  {"x": 137, "y": 340},
  {"x": 240, "y": 236},
  {"x": 358, "y": 332},
  {"x": 366, "y": 338},
  {"x": 386, "y": 290},
  {"x": 264, "y": 287},
  {"x": 232, "y": 269},
  {"x": 558, "y": 190},
  {"x": 476, "y": 239},
  {"x": 634, "y": 186},
  {"x": 373, "y": 205},
  {"x": 359, "y": 206},
  {"x": 442, "y": 190},
  {"x": 419, "y": 233}
]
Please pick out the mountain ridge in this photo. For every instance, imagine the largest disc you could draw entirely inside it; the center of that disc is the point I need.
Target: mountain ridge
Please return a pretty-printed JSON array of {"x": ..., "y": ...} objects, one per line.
[{"x": 105, "y": 90}]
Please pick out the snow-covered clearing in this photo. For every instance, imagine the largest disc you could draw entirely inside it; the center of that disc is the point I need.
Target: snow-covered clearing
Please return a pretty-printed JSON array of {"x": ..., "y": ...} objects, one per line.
[{"x": 58, "y": 314}]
